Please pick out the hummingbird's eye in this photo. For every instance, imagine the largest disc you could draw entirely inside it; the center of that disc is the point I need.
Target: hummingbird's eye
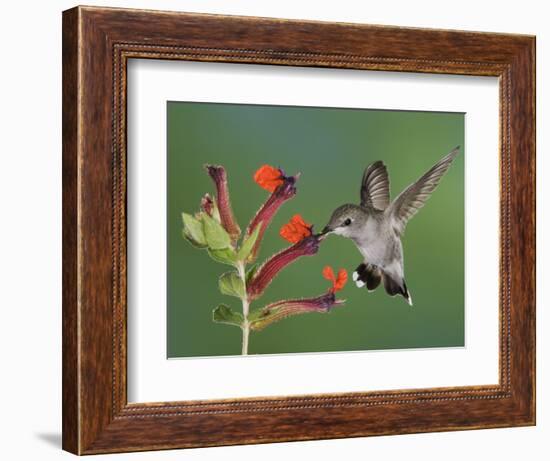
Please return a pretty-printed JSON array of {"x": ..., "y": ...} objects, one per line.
[{"x": 347, "y": 222}]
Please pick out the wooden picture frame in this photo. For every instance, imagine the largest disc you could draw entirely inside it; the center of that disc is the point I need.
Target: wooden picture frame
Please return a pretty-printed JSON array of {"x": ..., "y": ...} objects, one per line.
[{"x": 97, "y": 43}]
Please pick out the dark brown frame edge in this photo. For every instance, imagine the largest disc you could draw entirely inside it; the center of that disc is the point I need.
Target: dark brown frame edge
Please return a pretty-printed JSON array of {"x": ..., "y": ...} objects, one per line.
[{"x": 97, "y": 42}]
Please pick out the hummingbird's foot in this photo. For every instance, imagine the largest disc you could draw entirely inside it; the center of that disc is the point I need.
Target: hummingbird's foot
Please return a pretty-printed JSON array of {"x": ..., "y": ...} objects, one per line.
[{"x": 368, "y": 275}]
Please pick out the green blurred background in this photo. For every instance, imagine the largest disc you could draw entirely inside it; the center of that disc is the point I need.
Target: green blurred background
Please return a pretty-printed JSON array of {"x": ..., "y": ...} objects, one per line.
[{"x": 330, "y": 147}]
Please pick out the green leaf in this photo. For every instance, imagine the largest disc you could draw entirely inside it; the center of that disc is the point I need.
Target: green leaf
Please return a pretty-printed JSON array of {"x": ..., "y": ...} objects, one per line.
[
  {"x": 231, "y": 284},
  {"x": 194, "y": 229},
  {"x": 216, "y": 236},
  {"x": 248, "y": 244},
  {"x": 225, "y": 256},
  {"x": 224, "y": 314},
  {"x": 187, "y": 236}
]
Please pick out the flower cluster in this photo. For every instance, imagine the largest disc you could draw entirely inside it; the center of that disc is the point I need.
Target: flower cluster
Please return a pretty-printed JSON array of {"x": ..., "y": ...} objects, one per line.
[{"x": 216, "y": 229}]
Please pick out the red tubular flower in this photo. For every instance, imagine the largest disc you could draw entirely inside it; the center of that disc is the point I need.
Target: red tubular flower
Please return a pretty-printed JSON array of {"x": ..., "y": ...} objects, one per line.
[
  {"x": 296, "y": 229},
  {"x": 339, "y": 281},
  {"x": 265, "y": 274},
  {"x": 228, "y": 221},
  {"x": 269, "y": 177},
  {"x": 285, "y": 191},
  {"x": 283, "y": 309}
]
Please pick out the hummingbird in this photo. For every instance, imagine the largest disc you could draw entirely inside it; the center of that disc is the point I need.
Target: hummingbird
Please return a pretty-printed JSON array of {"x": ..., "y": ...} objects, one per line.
[{"x": 376, "y": 225}]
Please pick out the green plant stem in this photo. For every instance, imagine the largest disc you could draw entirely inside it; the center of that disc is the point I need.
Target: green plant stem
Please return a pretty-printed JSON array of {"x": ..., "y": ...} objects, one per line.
[{"x": 246, "y": 307}]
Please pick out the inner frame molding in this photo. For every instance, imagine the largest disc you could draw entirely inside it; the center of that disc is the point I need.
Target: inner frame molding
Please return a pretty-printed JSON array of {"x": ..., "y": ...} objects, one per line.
[
  {"x": 151, "y": 83},
  {"x": 97, "y": 43}
]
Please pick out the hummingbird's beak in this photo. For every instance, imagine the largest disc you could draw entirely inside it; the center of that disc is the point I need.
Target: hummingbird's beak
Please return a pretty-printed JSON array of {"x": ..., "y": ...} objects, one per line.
[{"x": 326, "y": 230}]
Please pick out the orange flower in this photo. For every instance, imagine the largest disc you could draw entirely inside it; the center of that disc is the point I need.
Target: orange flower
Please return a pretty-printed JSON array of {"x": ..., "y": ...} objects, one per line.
[
  {"x": 269, "y": 177},
  {"x": 295, "y": 230},
  {"x": 339, "y": 281}
]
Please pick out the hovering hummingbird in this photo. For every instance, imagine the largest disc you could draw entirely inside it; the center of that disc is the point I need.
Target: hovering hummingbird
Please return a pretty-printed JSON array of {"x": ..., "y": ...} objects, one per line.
[{"x": 376, "y": 225}]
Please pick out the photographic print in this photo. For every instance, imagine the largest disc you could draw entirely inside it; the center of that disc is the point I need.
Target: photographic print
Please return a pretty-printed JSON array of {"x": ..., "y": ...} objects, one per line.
[{"x": 313, "y": 229}]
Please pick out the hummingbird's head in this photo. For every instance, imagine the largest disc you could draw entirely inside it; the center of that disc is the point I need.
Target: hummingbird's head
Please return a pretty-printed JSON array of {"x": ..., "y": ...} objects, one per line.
[{"x": 347, "y": 221}]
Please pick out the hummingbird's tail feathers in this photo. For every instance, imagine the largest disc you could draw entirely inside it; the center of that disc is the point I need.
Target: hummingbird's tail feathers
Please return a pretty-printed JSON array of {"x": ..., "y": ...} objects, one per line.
[
  {"x": 367, "y": 275},
  {"x": 408, "y": 294},
  {"x": 371, "y": 276},
  {"x": 408, "y": 202},
  {"x": 396, "y": 287}
]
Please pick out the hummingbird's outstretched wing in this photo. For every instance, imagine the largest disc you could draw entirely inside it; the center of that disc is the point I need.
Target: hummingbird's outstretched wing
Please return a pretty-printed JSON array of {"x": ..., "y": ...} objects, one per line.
[
  {"x": 408, "y": 202},
  {"x": 375, "y": 186}
]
